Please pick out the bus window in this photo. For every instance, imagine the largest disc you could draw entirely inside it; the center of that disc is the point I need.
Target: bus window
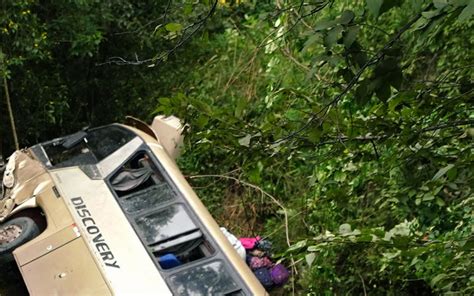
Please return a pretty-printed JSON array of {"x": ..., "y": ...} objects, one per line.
[
  {"x": 165, "y": 224},
  {"x": 140, "y": 185},
  {"x": 83, "y": 148},
  {"x": 206, "y": 279},
  {"x": 162, "y": 221}
]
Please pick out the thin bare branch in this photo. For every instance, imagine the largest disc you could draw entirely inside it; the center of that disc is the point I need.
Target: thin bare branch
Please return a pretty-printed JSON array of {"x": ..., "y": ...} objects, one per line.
[
  {"x": 195, "y": 26},
  {"x": 354, "y": 81},
  {"x": 259, "y": 189}
]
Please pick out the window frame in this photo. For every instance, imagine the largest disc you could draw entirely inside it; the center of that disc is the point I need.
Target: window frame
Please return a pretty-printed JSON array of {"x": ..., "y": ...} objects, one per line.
[
  {"x": 180, "y": 198},
  {"x": 41, "y": 150}
]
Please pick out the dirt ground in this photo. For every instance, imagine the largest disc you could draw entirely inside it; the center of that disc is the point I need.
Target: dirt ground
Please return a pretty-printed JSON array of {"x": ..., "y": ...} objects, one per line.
[{"x": 11, "y": 282}]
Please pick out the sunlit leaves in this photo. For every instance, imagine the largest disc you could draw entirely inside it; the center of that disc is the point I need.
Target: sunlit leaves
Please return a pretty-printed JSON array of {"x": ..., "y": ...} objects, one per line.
[
  {"x": 442, "y": 171},
  {"x": 174, "y": 27}
]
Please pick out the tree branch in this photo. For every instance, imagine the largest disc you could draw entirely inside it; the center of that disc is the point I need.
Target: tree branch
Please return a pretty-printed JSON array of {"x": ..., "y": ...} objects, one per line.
[
  {"x": 259, "y": 189},
  {"x": 374, "y": 60},
  {"x": 448, "y": 124},
  {"x": 10, "y": 112},
  {"x": 184, "y": 38},
  {"x": 372, "y": 139}
]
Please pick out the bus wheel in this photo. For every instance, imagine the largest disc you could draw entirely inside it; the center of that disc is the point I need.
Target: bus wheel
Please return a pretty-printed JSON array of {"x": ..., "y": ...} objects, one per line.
[{"x": 14, "y": 233}]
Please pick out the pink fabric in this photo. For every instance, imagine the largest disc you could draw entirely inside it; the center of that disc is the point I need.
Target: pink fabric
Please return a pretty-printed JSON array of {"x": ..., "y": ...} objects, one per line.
[
  {"x": 256, "y": 262},
  {"x": 249, "y": 242}
]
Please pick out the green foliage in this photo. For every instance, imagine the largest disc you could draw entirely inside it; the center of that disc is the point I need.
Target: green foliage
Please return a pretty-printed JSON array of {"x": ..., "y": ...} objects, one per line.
[
  {"x": 389, "y": 158},
  {"x": 356, "y": 115}
]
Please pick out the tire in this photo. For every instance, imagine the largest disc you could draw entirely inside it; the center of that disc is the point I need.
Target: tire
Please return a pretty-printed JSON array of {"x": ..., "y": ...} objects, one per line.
[{"x": 14, "y": 233}]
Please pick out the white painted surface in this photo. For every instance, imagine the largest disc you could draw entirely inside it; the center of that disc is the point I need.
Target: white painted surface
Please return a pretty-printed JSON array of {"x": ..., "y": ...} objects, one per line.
[{"x": 137, "y": 274}]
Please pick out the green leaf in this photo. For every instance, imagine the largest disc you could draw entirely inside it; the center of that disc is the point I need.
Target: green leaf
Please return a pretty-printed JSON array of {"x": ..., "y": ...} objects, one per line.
[
  {"x": 442, "y": 171},
  {"x": 374, "y": 6},
  {"x": 440, "y": 3},
  {"x": 393, "y": 255},
  {"x": 345, "y": 228},
  {"x": 173, "y": 27},
  {"x": 431, "y": 14},
  {"x": 242, "y": 103},
  {"x": 245, "y": 141},
  {"x": 297, "y": 246},
  {"x": 467, "y": 12},
  {"x": 438, "y": 278},
  {"x": 314, "y": 248},
  {"x": 201, "y": 121},
  {"x": 395, "y": 101},
  {"x": 395, "y": 78},
  {"x": 201, "y": 106},
  {"x": 383, "y": 91},
  {"x": 188, "y": 8},
  {"x": 452, "y": 174},
  {"x": 363, "y": 93},
  {"x": 310, "y": 258},
  {"x": 314, "y": 135},
  {"x": 311, "y": 40},
  {"x": 440, "y": 202},
  {"x": 254, "y": 175},
  {"x": 428, "y": 196},
  {"x": 324, "y": 24},
  {"x": 346, "y": 17},
  {"x": 293, "y": 114},
  {"x": 421, "y": 23},
  {"x": 332, "y": 36},
  {"x": 350, "y": 35}
]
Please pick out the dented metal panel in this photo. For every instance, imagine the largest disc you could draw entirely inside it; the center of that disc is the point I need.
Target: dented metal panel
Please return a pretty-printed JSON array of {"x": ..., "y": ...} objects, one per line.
[{"x": 23, "y": 175}]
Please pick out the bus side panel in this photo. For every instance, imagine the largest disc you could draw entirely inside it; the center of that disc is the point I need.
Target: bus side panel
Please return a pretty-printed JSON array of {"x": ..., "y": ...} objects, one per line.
[
  {"x": 27, "y": 253},
  {"x": 67, "y": 270}
]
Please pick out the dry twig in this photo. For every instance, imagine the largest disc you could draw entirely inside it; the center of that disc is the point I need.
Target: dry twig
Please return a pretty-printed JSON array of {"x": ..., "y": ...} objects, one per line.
[{"x": 259, "y": 189}]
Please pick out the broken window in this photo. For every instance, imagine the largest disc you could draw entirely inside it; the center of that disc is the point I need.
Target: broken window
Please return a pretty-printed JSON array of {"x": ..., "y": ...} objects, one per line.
[
  {"x": 83, "y": 148},
  {"x": 207, "y": 279},
  {"x": 140, "y": 185},
  {"x": 173, "y": 237},
  {"x": 164, "y": 224}
]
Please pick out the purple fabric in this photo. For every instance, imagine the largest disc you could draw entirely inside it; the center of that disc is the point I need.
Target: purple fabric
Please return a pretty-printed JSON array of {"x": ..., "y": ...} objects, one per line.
[
  {"x": 279, "y": 274},
  {"x": 257, "y": 262},
  {"x": 264, "y": 276},
  {"x": 249, "y": 242}
]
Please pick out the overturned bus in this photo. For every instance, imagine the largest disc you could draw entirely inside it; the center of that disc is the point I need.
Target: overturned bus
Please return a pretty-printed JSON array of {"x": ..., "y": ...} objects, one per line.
[{"x": 106, "y": 211}]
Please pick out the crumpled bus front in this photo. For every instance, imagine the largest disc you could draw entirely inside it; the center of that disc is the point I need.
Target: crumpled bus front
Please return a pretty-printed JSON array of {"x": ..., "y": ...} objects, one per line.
[{"x": 22, "y": 176}]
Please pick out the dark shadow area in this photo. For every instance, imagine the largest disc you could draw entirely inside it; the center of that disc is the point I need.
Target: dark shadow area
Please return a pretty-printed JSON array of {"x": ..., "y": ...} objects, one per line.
[{"x": 11, "y": 282}]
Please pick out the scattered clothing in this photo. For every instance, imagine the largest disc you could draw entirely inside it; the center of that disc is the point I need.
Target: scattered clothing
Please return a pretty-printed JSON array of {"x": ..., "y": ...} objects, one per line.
[
  {"x": 249, "y": 243},
  {"x": 257, "y": 254},
  {"x": 264, "y": 276},
  {"x": 264, "y": 245},
  {"x": 259, "y": 260},
  {"x": 280, "y": 274}
]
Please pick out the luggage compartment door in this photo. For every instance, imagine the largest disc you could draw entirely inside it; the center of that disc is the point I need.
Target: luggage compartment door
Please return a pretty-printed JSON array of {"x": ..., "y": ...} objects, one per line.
[{"x": 68, "y": 270}]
